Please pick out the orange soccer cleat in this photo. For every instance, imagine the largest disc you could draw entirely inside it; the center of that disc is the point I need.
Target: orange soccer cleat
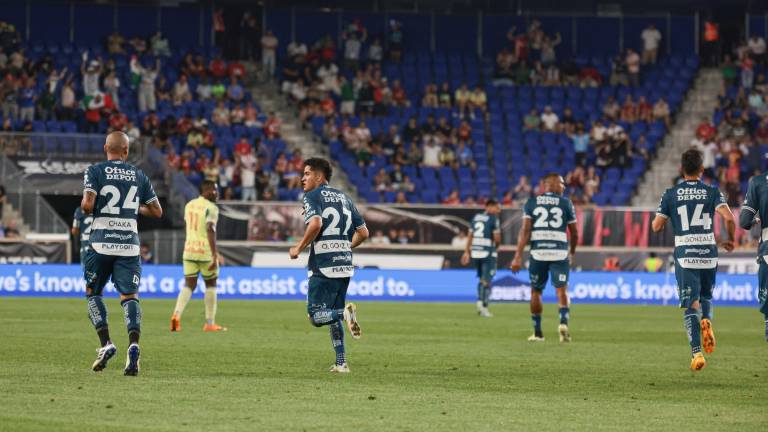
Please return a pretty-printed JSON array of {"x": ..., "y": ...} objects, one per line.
[
  {"x": 698, "y": 362},
  {"x": 707, "y": 336},
  {"x": 175, "y": 323},
  {"x": 213, "y": 328}
]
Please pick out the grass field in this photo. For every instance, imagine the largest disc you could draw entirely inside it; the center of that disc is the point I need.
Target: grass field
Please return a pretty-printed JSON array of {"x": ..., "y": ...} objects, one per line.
[{"x": 418, "y": 367}]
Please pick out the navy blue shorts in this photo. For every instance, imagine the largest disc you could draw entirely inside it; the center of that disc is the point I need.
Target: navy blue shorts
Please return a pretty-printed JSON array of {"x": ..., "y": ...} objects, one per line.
[
  {"x": 125, "y": 272},
  {"x": 694, "y": 284},
  {"x": 486, "y": 268},
  {"x": 326, "y": 293},
  {"x": 540, "y": 271}
]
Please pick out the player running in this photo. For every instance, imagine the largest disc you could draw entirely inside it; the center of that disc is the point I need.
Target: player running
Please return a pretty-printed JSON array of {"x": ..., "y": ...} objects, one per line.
[
  {"x": 334, "y": 228},
  {"x": 81, "y": 227},
  {"x": 483, "y": 240},
  {"x": 545, "y": 219},
  {"x": 200, "y": 257},
  {"x": 753, "y": 211},
  {"x": 115, "y": 193},
  {"x": 691, "y": 207}
]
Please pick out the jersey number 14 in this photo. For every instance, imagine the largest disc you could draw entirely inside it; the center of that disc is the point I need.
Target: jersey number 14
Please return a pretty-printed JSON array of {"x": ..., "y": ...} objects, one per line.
[{"x": 698, "y": 219}]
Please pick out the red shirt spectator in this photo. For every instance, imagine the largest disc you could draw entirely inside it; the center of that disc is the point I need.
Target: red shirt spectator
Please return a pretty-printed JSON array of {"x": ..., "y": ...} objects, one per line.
[
  {"x": 644, "y": 109},
  {"x": 243, "y": 147},
  {"x": 272, "y": 126},
  {"x": 236, "y": 68},
  {"x": 184, "y": 125},
  {"x": 452, "y": 199},
  {"x": 218, "y": 68},
  {"x": 591, "y": 74},
  {"x": 398, "y": 94},
  {"x": 174, "y": 161},
  {"x": 118, "y": 121},
  {"x": 328, "y": 105},
  {"x": 706, "y": 130}
]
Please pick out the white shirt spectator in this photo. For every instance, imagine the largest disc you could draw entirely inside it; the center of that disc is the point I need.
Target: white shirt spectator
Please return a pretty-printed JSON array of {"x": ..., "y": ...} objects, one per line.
[
  {"x": 247, "y": 173},
  {"x": 633, "y": 63},
  {"x": 757, "y": 45},
  {"x": 599, "y": 132},
  {"x": 708, "y": 151},
  {"x": 297, "y": 48},
  {"x": 329, "y": 75},
  {"x": 549, "y": 119},
  {"x": 269, "y": 43},
  {"x": 375, "y": 52},
  {"x": 459, "y": 240},
  {"x": 432, "y": 155},
  {"x": 651, "y": 38},
  {"x": 352, "y": 49},
  {"x": 612, "y": 131},
  {"x": 380, "y": 239}
]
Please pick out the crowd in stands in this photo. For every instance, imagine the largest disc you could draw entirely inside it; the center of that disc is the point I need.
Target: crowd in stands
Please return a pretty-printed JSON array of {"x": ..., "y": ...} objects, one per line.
[{"x": 735, "y": 140}]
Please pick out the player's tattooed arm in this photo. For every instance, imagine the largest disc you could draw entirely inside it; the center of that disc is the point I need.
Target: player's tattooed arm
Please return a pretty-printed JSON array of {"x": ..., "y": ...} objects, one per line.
[
  {"x": 573, "y": 230},
  {"x": 467, "y": 248},
  {"x": 153, "y": 209},
  {"x": 361, "y": 234},
  {"x": 88, "y": 201},
  {"x": 522, "y": 240},
  {"x": 730, "y": 227}
]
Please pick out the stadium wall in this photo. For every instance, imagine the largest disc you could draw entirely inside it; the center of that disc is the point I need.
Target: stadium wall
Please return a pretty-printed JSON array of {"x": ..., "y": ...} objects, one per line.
[{"x": 245, "y": 283}]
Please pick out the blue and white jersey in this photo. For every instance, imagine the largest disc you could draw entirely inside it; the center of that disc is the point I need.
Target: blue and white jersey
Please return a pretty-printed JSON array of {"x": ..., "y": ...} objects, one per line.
[
  {"x": 756, "y": 202},
  {"x": 119, "y": 188},
  {"x": 551, "y": 215},
  {"x": 690, "y": 206},
  {"x": 484, "y": 226},
  {"x": 82, "y": 222},
  {"x": 331, "y": 252}
]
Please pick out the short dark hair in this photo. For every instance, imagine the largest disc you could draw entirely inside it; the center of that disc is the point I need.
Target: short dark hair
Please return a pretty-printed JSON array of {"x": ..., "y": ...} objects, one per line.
[
  {"x": 491, "y": 202},
  {"x": 691, "y": 161},
  {"x": 320, "y": 164},
  {"x": 552, "y": 175},
  {"x": 205, "y": 184}
]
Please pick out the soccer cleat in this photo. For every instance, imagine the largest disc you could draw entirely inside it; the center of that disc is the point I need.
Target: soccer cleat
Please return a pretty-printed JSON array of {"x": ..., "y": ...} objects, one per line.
[
  {"x": 350, "y": 317},
  {"x": 698, "y": 362},
  {"x": 565, "y": 335},
  {"x": 132, "y": 361},
  {"x": 103, "y": 355},
  {"x": 480, "y": 308},
  {"x": 485, "y": 313},
  {"x": 342, "y": 368},
  {"x": 213, "y": 328},
  {"x": 707, "y": 336},
  {"x": 534, "y": 338},
  {"x": 175, "y": 323}
]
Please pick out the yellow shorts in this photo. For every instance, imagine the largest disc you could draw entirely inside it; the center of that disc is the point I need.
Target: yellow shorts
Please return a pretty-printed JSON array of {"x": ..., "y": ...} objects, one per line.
[{"x": 192, "y": 268}]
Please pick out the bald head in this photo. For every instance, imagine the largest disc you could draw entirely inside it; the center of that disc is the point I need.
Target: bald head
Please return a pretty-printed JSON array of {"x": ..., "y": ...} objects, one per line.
[{"x": 116, "y": 146}]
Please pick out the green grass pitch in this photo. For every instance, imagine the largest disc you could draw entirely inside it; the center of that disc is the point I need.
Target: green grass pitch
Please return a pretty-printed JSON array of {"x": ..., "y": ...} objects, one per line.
[{"x": 418, "y": 367}]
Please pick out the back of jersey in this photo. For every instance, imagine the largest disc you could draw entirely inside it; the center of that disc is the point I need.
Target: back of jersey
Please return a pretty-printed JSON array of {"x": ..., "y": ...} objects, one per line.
[
  {"x": 484, "y": 226},
  {"x": 331, "y": 251},
  {"x": 83, "y": 222},
  {"x": 551, "y": 214},
  {"x": 119, "y": 188},
  {"x": 690, "y": 207},
  {"x": 756, "y": 202}
]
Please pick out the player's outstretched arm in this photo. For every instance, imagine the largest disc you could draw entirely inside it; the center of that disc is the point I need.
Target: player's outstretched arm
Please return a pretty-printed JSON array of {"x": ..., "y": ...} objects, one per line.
[
  {"x": 361, "y": 234},
  {"x": 522, "y": 240},
  {"x": 313, "y": 229},
  {"x": 467, "y": 248},
  {"x": 88, "y": 201},
  {"x": 730, "y": 227},
  {"x": 658, "y": 224},
  {"x": 153, "y": 209},
  {"x": 573, "y": 231}
]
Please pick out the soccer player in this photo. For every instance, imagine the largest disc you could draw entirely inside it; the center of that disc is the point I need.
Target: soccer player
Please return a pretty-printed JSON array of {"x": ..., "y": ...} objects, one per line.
[
  {"x": 333, "y": 227},
  {"x": 483, "y": 240},
  {"x": 753, "y": 211},
  {"x": 200, "y": 257},
  {"x": 546, "y": 218},
  {"x": 691, "y": 207},
  {"x": 81, "y": 227},
  {"x": 115, "y": 193}
]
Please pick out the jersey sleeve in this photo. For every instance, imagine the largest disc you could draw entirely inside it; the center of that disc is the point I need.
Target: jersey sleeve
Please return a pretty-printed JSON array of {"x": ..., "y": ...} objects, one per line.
[
  {"x": 147, "y": 191},
  {"x": 750, "y": 199},
  {"x": 719, "y": 198},
  {"x": 528, "y": 209},
  {"x": 497, "y": 225},
  {"x": 570, "y": 212},
  {"x": 212, "y": 215},
  {"x": 663, "y": 209},
  {"x": 311, "y": 207},
  {"x": 91, "y": 180}
]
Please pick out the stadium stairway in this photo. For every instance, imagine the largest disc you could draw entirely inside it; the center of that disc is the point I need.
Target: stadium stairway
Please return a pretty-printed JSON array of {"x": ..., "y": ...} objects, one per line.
[
  {"x": 701, "y": 101},
  {"x": 267, "y": 94}
]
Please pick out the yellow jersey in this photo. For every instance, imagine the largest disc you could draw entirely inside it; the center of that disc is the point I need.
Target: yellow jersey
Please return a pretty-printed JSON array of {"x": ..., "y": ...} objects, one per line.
[{"x": 197, "y": 214}]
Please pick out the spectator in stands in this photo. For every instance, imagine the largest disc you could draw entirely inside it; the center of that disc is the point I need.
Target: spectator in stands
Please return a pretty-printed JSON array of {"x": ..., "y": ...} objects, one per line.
[
  {"x": 162, "y": 92},
  {"x": 431, "y": 153},
  {"x": 118, "y": 121},
  {"x": 328, "y": 73},
  {"x": 651, "y": 38},
  {"x": 644, "y": 110},
  {"x": 464, "y": 155},
  {"x": 444, "y": 96},
  {"x": 399, "y": 98},
  {"x": 381, "y": 181},
  {"x": 504, "y": 74},
  {"x": 643, "y": 147},
  {"x": 447, "y": 156},
  {"x": 460, "y": 239},
  {"x": 204, "y": 90},
  {"x": 550, "y": 122},
  {"x": 747, "y": 72},
  {"x": 591, "y": 183},
  {"x": 379, "y": 238},
  {"x": 628, "y": 110},
  {"x": 611, "y": 109},
  {"x": 237, "y": 115},
  {"x": 575, "y": 181},
  {"x": 452, "y": 198},
  {"x": 633, "y": 68},
  {"x": 477, "y": 101},
  {"x": 247, "y": 163},
  {"x": 552, "y": 76},
  {"x": 429, "y": 100},
  {"x": 589, "y": 76},
  {"x": 395, "y": 41},
  {"x": 147, "y": 100},
  {"x": 532, "y": 121},
  {"x": 181, "y": 93},
  {"x": 90, "y": 72},
  {"x": 580, "y": 140},
  {"x": 115, "y": 43},
  {"x": 622, "y": 149},
  {"x": 160, "y": 45},
  {"x": 730, "y": 177},
  {"x": 522, "y": 73},
  {"x": 9, "y": 97},
  {"x": 757, "y": 47},
  {"x": 522, "y": 190},
  {"x": 235, "y": 91},
  {"x": 376, "y": 51},
  {"x": 217, "y": 67},
  {"x": 353, "y": 44},
  {"x": 548, "y": 55},
  {"x": 46, "y": 105},
  {"x": 661, "y": 112},
  {"x": 461, "y": 98},
  {"x": 220, "y": 115},
  {"x": 272, "y": 126},
  {"x": 27, "y": 99}
]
